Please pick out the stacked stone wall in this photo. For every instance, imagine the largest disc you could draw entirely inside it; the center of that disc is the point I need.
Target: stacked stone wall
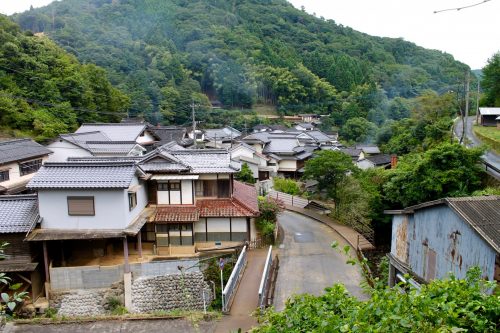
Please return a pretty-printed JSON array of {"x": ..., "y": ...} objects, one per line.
[{"x": 169, "y": 292}]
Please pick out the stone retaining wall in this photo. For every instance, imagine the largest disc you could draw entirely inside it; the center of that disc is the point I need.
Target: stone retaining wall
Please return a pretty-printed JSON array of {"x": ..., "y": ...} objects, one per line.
[
  {"x": 169, "y": 292},
  {"x": 88, "y": 302}
]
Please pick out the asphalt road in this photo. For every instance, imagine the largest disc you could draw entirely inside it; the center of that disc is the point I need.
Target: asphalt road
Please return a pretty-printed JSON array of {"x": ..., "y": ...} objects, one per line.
[
  {"x": 308, "y": 264},
  {"x": 490, "y": 156}
]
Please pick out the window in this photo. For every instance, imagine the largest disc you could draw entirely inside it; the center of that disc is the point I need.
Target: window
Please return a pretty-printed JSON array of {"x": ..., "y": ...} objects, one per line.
[
  {"x": 223, "y": 188},
  {"x": 4, "y": 175},
  {"x": 25, "y": 168},
  {"x": 206, "y": 188},
  {"x": 132, "y": 200},
  {"x": 175, "y": 186},
  {"x": 81, "y": 206},
  {"x": 148, "y": 232},
  {"x": 162, "y": 186}
]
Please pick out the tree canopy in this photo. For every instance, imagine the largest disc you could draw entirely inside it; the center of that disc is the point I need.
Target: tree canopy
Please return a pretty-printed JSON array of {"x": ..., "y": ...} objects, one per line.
[
  {"x": 491, "y": 81},
  {"x": 44, "y": 91},
  {"x": 164, "y": 52},
  {"x": 449, "y": 305}
]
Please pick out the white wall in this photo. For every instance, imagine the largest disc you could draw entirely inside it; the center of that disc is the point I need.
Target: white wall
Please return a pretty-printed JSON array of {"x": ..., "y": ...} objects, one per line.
[
  {"x": 63, "y": 149},
  {"x": 146, "y": 138},
  {"x": 287, "y": 165},
  {"x": 142, "y": 200},
  {"x": 111, "y": 209},
  {"x": 187, "y": 192},
  {"x": 239, "y": 224},
  {"x": 365, "y": 164},
  {"x": 162, "y": 198},
  {"x": 218, "y": 224}
]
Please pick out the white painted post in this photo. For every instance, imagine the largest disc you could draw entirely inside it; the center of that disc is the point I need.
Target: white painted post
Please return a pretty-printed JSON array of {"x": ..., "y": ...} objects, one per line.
[{"x": 222, "y": 288}]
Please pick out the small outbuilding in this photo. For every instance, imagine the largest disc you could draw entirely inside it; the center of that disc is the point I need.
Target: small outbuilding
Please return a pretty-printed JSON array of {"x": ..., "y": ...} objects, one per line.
[{"x": 489, "y": 116}]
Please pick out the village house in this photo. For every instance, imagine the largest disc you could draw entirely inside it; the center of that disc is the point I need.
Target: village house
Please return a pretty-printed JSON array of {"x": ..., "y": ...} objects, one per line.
[
  {"x": 22, "y": 260},
  {"x": 221, "y": 137},
  {"x": 257, "y": 162},
  {"x": 488, "y": 116},
  {"x": 167, "y": 134},
  {"x": 435, "y": 238},
  {"x": 375, "y": 161},
  {"x": 304, "y": 127},
  {"x": 99, "y": 139},
  {"x": 20, "y": 159},
  {"x": 169, "y": 202}
]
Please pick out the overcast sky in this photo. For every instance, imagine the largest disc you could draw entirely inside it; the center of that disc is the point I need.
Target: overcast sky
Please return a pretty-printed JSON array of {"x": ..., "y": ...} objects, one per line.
[{"x": 471, "y": 35}]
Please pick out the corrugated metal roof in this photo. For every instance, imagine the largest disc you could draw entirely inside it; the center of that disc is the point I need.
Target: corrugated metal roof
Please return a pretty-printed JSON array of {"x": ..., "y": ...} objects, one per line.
[
  {"x": 18, "y": 213},
  {"x": 21, "y": 149},
  {"x": 489, "y": 111},
  {"x": 84, "y": 175},
  {"x": 115, "y": 131}
]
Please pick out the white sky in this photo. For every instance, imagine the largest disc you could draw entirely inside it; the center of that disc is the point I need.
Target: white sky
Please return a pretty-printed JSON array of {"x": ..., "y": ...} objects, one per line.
[{"x": 471, "y": 35}]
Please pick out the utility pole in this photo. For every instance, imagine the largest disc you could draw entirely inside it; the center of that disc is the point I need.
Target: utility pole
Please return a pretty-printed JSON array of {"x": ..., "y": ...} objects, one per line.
[
  {"x": 467, "y": 87},
  {"x": 194, "y": 122}
]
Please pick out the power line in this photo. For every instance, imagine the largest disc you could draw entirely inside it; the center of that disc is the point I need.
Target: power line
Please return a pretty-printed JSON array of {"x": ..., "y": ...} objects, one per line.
[{"x": 460, "y": 8}]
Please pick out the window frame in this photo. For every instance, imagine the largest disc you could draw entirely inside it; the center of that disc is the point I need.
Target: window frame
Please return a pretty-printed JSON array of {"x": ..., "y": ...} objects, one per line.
[
  {"x": 81, "y": 198},
  {"x": 3, "y": 178},
  {"x": 26, "y": 167},
  {"x": 132, "y": 200}
]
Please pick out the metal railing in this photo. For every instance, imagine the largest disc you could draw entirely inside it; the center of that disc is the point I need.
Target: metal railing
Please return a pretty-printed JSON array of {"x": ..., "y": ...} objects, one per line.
[
  {"x": 234, "y": 279},
  {"x": 264, "y": 281},
  {"x": 288, "y": 199}
]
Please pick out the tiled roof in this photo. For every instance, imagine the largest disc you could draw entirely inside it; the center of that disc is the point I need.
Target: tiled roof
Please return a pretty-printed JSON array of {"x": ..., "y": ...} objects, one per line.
[
  {"x": 226, "y": 133},
  {"x": 246, "y": 195},
  {"x": 318, "y": 136},
  {"x": 80, "y": 139},
  {"x": 223, "y": 208},
  {"x": 177, "y": 214},
  {"x": 381, "y": 159},
  {"x": 115, "y": 131},
  {"x": 482, "y": 213},
  {"x": 281, "y": 145},
  {"x": 114, "y": 147},
  {"x": 21, "y": 149},
  {"x": 369, "y": 149},
  {"x": 305, "y": 125},
  {"x": 159, "y": 166},
  {"x": 168, "y": 133},
  {"x": 84, "y": 175},
  {"x": 18, "y": 213},
  {"x": 206, "y": 160},
  {"x": 351, "y": 151}
]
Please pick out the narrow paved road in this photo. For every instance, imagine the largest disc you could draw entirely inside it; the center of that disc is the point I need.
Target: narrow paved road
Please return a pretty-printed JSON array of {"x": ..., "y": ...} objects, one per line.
[
  {"x": 307, "y": 262},
  {"x": 490, "y": 156}
]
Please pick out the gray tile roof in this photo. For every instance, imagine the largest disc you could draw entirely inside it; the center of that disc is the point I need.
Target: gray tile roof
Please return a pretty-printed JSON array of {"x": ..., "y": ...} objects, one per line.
[
  {"x": 305, "y": 125},
  {"x": 84, "y": 175},
  {"x": 369, "y": 149},
  {"x": 381, "y": 159},
  {"x": 115, "y": 131},
  {"x": 318, "y": 136},
  {"x": 159, "y": 166},
  {"x": 21, "y": 149},
  {"x": 281, "y": 145},
  {"x": 226, "y": 133},
  {"x": 18, "y": 213},
  {"x": 168, "y": 133},
  {"x": 206, "y": 160},
  {"x": 114, "y": 147},
  {"x": 489, "y": 111},
  {"x": 80, "y": 139}
]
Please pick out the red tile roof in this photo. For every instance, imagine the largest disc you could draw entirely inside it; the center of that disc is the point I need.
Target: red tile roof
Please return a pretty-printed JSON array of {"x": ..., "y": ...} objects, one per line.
[
  {"x": 177, "y": 214},
  {"x": 246, "y": 195},
  {"x": 223, "y": 208}
]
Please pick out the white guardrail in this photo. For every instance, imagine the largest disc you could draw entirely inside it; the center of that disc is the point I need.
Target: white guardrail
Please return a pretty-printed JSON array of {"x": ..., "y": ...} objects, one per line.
[
  {"x": 233, "y": 281},
  {"x": 263, "y": 288}
]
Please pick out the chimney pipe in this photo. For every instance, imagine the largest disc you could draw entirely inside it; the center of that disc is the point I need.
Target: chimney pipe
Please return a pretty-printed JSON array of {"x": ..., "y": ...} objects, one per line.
[{"x": 394, "y": 161}]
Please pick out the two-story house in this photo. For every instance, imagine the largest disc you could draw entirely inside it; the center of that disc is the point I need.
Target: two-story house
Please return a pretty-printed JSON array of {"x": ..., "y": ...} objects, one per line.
[
  {"x": 435, "y": 238},
  {"x": 257, "y": 162},
  {"x": 19, "y": 160}
]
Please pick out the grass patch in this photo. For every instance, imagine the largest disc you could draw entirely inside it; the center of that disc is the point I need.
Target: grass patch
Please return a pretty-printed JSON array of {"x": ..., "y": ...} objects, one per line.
[
  {"x": 265, "y": 110},
  {"x": 489, "y": 135}
]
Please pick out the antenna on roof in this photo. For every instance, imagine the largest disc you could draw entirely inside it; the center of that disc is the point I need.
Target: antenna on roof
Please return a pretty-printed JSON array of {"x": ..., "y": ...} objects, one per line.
[{"x": 194, "y": 122}]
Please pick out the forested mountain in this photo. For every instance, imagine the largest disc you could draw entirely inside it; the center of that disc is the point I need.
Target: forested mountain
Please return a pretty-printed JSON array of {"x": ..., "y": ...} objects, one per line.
[
  {"x": 165, "y": 53},
  {"x": 45, "y": 91}
]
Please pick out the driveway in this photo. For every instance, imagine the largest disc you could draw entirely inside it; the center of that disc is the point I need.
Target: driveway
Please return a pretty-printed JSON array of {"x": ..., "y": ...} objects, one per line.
[
  {"x": 490, "y": 156},
  {"x": 307, "y": 262}
]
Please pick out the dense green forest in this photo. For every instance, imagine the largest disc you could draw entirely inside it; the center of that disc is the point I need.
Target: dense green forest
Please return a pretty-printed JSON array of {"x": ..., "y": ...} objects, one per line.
[
  {"x": 45, "y": 91},
  {"x": 165, "y": 54}
]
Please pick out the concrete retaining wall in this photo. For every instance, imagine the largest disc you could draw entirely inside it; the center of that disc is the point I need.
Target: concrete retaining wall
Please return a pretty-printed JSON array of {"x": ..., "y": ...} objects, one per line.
[
  {"x": 165, "y": 293},
  {"x": 92, "y": 277}
]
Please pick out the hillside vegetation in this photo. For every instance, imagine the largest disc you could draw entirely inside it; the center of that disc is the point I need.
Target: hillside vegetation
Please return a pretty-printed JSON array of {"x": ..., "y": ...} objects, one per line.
[
  {"x": 168, "y": 53},
  {"x": 45, "y": 91}
]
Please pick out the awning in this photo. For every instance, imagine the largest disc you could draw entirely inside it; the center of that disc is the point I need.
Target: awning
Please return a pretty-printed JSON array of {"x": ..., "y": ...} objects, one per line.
[{"x": 174, "y": 177}]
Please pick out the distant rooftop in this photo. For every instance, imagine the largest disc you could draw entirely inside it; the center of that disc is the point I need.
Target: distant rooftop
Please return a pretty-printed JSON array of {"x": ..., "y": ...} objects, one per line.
[
  {"x": 489, "y": 111},
  {"x": 21, "y": 149},
  {"x": 115, "y": 131}
]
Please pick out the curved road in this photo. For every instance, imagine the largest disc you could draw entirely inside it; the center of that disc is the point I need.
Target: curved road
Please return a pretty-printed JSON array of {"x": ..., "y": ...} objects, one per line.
[
  {"x": 307, "y": 262},
  {"x": 489, "y": 156}
]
